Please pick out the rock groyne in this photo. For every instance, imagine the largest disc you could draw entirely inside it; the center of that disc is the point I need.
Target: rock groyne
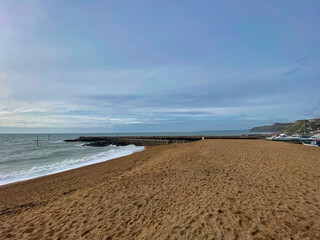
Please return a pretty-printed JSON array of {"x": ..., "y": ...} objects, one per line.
[{"x": 102, "y": 141}]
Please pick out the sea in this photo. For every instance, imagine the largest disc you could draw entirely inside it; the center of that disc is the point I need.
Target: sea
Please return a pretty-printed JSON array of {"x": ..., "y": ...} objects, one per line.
[{"x": 27, "y": 156}]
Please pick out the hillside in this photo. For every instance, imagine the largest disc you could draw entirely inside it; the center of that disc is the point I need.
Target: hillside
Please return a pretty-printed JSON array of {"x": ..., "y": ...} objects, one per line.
[
  {"x": 276, "y": 127},
  {"x": 310, "y": 125},
  {"x": 300, "y": 126}
]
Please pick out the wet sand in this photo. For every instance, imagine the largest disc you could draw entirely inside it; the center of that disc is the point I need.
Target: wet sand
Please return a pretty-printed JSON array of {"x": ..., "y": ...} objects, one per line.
[{"x": 213, "y": 189}]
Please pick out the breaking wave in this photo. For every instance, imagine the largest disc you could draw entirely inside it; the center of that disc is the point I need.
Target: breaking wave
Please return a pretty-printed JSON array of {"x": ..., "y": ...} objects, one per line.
[{"x": 68, "y": 164}]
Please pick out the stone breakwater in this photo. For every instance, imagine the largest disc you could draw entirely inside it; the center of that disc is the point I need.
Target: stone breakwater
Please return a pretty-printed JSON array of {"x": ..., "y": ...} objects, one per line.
[{"x": 151, "y": 140}]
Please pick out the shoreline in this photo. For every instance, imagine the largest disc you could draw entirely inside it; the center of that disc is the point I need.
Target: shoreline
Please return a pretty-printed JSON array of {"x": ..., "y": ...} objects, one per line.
[
  {"x": 91, "y": 162},
  {"x": 61, "y": 178},
  {"x": 201, "y": 190}
]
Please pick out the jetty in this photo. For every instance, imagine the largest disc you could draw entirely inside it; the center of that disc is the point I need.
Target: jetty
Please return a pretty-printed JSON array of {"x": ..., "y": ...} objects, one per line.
[{"x": 102, "y": 141}]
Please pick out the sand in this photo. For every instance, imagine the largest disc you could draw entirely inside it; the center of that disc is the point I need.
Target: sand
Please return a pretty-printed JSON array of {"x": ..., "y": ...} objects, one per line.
[{"x": 212, "y": 189}]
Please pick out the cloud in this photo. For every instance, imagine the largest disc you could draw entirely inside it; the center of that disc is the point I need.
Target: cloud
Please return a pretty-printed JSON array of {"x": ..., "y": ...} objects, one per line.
[
  {"x": 291, "y": 71},
  {"x": 313, "y": 110},
  {"x": 300, "y": 64},
  {"x": 303, "y": 59},
  {"x": 118, "y": 69}
]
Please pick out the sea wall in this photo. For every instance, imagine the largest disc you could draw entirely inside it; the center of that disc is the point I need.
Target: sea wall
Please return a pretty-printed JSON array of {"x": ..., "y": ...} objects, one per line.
[{"x": 150, "y": 140}]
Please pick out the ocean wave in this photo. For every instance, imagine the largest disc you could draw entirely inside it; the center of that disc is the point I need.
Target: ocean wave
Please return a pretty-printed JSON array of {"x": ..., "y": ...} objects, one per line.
[
  {"x": 80, "y": 145},
  {"x": 59, "y": 141},
  {"x": 68, "y": 164}
]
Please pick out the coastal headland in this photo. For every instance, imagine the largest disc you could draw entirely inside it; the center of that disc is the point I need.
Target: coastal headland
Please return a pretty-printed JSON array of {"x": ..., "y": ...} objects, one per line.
[{"x": 212, "y": 189}]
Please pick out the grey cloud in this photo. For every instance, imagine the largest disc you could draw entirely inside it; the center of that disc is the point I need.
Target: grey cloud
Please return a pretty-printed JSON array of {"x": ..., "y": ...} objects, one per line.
[
  {"x": 299, "y": 63},
  {"x": 291, "y": 71},
  {"x": 303, "y": 59},
  {"x": 313, "y": 110},
  {"x": 170, "y": 105}
]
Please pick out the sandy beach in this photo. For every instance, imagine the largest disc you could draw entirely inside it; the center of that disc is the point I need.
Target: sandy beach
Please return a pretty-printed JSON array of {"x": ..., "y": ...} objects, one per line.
[{"x": 212, "y": 189}]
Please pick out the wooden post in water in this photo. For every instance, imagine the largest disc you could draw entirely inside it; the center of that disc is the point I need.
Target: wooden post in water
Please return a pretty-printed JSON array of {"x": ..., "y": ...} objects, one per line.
[
  {"x": 37, "y": 140},
  {"x": 48, "y": 137}
]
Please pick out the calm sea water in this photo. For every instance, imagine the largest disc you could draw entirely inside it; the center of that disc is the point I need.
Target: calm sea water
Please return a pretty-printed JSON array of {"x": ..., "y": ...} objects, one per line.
[{"x": 22, "y": 159}]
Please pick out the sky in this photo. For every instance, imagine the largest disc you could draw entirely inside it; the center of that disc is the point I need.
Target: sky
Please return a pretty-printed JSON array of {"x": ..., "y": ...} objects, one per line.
[{"x": 157, "y": 66}]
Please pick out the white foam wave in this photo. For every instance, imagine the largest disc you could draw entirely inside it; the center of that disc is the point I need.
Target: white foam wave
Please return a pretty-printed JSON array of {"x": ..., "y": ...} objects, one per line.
[
  {"x": 80, "y": 145},
  {"x": 59, "y": 141},
  {"x": 38, "y": 171}
]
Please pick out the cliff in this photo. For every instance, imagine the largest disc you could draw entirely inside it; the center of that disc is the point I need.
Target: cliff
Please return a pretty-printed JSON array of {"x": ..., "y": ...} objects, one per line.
[{"x": 300, "y": 126}]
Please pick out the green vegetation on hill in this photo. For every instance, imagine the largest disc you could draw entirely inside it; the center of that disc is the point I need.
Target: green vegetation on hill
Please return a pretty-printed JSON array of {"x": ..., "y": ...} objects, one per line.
[
  {"x": 276, "y": 127},
  {"x": 300, "y": 126}
]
